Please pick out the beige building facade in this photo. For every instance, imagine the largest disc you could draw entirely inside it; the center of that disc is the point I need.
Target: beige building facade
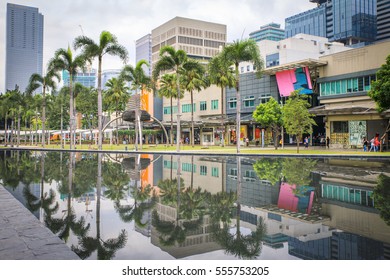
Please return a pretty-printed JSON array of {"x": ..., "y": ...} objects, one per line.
[
  {"x": 200, "y": 40},
  {"x": 344, "y": 82}
]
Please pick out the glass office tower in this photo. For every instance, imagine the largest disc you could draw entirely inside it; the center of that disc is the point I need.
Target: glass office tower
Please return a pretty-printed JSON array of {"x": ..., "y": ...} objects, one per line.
[
  {"x": 346, "y": 21},
  {"x": 24, "y": 45}
]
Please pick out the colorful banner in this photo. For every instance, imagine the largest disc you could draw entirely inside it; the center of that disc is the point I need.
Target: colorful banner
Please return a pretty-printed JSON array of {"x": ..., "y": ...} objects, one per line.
[{"x": 296, "y": 79}]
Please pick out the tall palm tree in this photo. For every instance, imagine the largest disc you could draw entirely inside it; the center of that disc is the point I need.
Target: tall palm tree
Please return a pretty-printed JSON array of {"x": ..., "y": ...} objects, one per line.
[
  {"x": 168, "y": 89},
  {"x": 221, "y": 74},
  {"x": 108, "y": 44},
  {"x": 139, "y": 81},
  {"x": 172, "y": 60},
  {"x": 235, "y": 53},
  {"x": 64, "y": 60},
  {"x": 193, "y": 79},
  {"x": 46, "y": 82},
  {"x": 117, "y": 95}
]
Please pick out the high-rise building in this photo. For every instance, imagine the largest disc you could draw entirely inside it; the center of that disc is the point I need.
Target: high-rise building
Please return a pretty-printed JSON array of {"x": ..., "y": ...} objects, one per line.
[
  {"x": 383, "y": 19},
  {"x": 271, "y": 31},
  {"x": 346, "y": 21},
  {"x": 200, "y": 40},
  {"x": 87, "y": 79},
  {"x": 24, "y": 45},
  {"x": 143, "y": 50}
]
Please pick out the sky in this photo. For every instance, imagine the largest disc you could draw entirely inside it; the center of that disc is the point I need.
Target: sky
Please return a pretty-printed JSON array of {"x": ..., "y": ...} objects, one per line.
[{"x": 129, "y": 20}]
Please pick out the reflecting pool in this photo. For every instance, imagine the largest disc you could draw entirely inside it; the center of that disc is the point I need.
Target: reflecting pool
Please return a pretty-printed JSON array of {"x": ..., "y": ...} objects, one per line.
[{"x": 161, "y": 206}]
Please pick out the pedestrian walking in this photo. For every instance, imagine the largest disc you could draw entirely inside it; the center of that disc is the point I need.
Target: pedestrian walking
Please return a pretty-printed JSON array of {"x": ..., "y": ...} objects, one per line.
[{"x": 327, "y": 142}]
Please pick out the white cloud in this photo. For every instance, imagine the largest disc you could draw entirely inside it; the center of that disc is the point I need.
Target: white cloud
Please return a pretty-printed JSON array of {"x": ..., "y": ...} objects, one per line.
[{"x": 131, "y": 19}]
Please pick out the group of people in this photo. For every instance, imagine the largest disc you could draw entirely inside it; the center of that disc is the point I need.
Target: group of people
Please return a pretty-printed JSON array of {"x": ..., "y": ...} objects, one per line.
[{"x": 374, "y": 144}]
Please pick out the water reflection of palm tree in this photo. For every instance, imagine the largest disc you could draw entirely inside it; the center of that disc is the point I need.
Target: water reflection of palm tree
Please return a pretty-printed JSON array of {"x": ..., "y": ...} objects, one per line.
[
  {"x": 135, "y": 212},
  {"x": 234, "y": 241},
  {"x": 105, "y": 249},
  {"x": 116, "y": 180}
]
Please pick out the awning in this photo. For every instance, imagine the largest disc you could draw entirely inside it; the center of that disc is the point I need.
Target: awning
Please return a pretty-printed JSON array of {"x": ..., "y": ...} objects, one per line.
[
  {"x": 342, "y": 110},
  {"x": 310, "y": 63}
]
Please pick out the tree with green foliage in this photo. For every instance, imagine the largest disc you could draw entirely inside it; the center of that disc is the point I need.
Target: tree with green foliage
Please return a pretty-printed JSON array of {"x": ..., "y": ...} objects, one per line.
[
  {"x": 235, "y": 53},
  {"x": 172, "y": 60},
  {"x": 107, "y": 44},
  {"x": 64, "y": 60},
  {"x": 116, "y": 96},
  {"x": 380, "y": 92},
  {"x": 296, "y": 117},
  {"x": 46, "y": 82},
  {"x": 381, "y": 197},
  {"x": 221, "y": 74},
  {"x": 139, "y": 82},
  {"x": 270, "y": 115},
  {"x": 168, "y": 90},
  {"x": 193, "y": 79}
]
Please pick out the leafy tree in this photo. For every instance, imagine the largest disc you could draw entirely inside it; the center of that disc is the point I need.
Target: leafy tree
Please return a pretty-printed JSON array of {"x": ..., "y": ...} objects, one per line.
[
  {"x": 139, "y": 81},
  {"x": 380, "y": 91},
  {"x": 269, "y": 169},
  {"x": 270, "y": 115},
  {"x": 64, "y": 60},
  {"x": 296, "y": 117},
  {"x": 46, "y": 82},
  {"x": 172, "y": 60},
  {"x": 168, "y": 89},
  {"x": 381, "y": 197},
  {"x": 193, "y": 79},
  {"x": 221, "y": 74},
  {"x": 108, "y": 44},
  {"x": 234, "y": 54},
  {"x": 116, "y": 95}
]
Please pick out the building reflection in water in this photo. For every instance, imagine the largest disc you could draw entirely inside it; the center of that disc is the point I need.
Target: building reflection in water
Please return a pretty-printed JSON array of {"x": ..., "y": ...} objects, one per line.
[{"x": 191, "y": 205}]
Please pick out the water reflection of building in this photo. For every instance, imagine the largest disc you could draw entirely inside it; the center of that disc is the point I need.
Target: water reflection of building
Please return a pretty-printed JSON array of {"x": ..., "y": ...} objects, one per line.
[
  {"x": 198, "y": 241},
  {"x": 255, "y": 192},
  {"x": 205, "y": 172}
]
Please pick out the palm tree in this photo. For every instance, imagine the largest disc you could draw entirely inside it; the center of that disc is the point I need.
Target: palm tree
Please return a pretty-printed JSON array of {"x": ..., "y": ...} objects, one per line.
[
  {"x": 172, "y": 60},
  {"x": 108, "y": 44},
  {"x": 64, "y": 60},
  {"x": 221, "y": 74},
  {"x": 46, "y": 82},
  {"x": 117, "y": 95},
  {"x": 193, "y": 79},
  {"x": 139, "y": 81},
  {"x": 234, "y": 54},
  {"x": 168, "y": 89}
]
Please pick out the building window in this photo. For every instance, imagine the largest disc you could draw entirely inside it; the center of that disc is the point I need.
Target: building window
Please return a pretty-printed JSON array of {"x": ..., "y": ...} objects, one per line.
[
  {"x": 346, "y": 86},
  {"x": 249, "y": 101},
  {"x": 248, "y": 68},
  {"x": 215, "y": 172},
  {"x": 203, "y": 170},
  {"x": 214, "y": 104},
  {"x": 188, "y": 167},
  {"x": 167, "y": 110},
  {"x": 264, "y": 98},
  {"x": 203, "y": 105},
  {"x": 186, "y": 108},
  {"x": 242, "y": 69},
  {"x": 232, "y": 103}
]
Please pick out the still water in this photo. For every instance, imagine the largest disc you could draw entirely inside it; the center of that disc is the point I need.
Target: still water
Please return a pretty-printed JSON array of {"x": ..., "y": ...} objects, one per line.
[{"x": 145, "y": 207}]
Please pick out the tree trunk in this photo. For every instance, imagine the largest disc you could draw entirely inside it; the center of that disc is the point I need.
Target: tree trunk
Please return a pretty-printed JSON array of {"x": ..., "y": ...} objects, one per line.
[
  {"x": 238, "y": 110},
  {"x": 192, "y": 119},
  {"x": 171, "y": 132},
  {"x": 178, "y": 113},
  {"x": 71, "y": 112},
  {"x": 19, "y": 119},
  {"x": 384, "y": 136},
  {"x": 43, "y": 115},
  {"x": 100, "y": 106},
  {"x": 298, "y": 140},
  {"x": 223, "y": 116}
]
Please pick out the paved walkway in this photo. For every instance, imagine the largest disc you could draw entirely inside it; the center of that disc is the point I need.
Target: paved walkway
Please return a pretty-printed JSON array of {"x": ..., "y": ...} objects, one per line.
[{"x": 23, "y": 237}]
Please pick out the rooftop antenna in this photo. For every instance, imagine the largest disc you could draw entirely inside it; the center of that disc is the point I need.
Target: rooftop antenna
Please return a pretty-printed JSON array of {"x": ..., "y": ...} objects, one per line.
[{"x": 89, "y": 64}]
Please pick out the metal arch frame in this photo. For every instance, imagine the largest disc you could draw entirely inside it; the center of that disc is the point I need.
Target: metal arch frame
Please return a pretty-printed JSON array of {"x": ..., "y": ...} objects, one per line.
[{"x": 153, "y": 118}]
